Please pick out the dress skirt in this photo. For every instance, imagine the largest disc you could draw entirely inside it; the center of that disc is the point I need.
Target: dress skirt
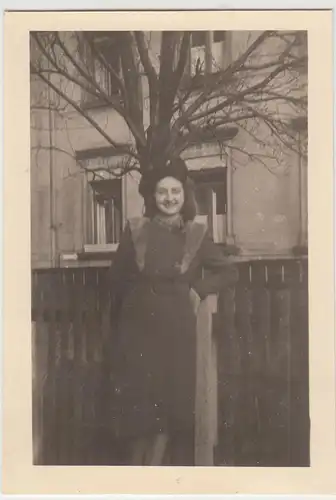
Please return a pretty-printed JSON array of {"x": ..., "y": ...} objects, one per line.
[{"x": 154, "y": 362}]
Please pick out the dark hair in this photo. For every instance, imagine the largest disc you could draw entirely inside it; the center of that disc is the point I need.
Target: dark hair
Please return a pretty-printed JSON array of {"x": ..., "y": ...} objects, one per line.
[
  {"x": 176, "y": 168},
  {"x": 188, "y": 210}
]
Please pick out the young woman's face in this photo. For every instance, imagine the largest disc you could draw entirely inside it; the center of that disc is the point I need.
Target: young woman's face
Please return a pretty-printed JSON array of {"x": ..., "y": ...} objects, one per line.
[{"x": 169, "y": 196}]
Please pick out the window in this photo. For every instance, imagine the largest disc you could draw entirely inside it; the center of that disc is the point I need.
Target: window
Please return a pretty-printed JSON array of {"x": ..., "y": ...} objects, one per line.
[
  {"x": 198, "y": 38},
  {"x": 221, "y": 52},
  {"x": 220, "y": 36},
  {"x": 209, "y": 53},
  {"x": 107, "y": 211},
  {"x": 107, "y": 46},
  {"x": 210, "y": 190}
]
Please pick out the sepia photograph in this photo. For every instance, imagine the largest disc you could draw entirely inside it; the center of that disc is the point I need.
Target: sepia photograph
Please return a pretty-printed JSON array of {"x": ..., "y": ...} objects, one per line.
[
  {"x": 169, "y": 248},
  {"x": 169, "y": 299}
]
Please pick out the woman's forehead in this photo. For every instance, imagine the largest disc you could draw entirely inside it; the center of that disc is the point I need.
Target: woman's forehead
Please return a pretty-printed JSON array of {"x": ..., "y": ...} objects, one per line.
[{"x": 168, "y": 182}]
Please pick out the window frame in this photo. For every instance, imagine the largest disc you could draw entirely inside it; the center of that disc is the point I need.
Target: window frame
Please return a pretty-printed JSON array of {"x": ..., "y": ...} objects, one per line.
[
  {"x": 99, "y": 198},
  {"x": 89, "y": 101},
  {"x": 208, "y": 58},
  {"x": 212, "y": 178}
]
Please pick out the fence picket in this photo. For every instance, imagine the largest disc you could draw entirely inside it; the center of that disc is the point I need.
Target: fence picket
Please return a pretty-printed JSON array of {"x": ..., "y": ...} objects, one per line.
[
  {"x": 299, "y": 397},
  {"x": 261, "y": 330},
  {"x": 228, "y": 371}
]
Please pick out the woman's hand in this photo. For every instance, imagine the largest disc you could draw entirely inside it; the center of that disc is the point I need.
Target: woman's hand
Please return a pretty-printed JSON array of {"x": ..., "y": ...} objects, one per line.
[{"x": 195, "y": 300}]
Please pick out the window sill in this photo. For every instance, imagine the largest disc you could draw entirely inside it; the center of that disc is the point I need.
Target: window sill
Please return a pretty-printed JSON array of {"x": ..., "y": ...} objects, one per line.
[
  {"x": 98, "y": 104},
  {"x": 100, "y": 248},
  {"x": 90, "y": 253}
]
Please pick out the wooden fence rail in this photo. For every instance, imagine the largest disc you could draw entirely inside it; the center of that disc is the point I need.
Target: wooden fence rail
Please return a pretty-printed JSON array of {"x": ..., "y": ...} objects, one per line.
[{"x": 261, "y": 334}]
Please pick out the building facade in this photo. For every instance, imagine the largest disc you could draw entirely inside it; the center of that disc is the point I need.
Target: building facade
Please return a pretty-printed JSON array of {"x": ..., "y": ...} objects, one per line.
[{"x": 78, "y": 208}]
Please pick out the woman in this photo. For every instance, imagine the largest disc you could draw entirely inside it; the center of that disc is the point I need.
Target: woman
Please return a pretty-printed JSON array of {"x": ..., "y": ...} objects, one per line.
[{"x": 157, "y": 275}]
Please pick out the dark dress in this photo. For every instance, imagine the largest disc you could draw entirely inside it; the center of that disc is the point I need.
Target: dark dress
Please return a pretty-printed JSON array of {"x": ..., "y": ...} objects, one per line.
[{"x": 155, "y": 349}]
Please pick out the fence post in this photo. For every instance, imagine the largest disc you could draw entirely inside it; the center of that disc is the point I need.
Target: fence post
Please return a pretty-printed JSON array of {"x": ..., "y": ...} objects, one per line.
[
  {"x": 206, "y": 424},
  {"x": 36, "y": 389}
]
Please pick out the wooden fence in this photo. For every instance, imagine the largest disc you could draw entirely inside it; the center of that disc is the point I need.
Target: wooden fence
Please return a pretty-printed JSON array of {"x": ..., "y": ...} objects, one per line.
[{"x": 261, "y": 334}]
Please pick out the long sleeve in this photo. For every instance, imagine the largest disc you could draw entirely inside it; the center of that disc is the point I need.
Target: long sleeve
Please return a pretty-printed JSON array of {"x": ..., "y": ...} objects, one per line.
[
  {"x": 123, "y": 257},
  {"x": 123, "y": 267},
  {"x": 219, "y": 271},
  {"x": 120, "y": 273}
]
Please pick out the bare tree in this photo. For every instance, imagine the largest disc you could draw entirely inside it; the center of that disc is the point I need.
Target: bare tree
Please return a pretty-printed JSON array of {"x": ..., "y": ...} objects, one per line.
[{"x": 258, "y": 93}]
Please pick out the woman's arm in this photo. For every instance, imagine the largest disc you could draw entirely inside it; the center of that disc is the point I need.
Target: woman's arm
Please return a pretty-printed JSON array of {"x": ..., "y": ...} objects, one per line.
[
  {"x": 118, "y": 278},
  {"x": 123, "y": 266},
  {"x": 219, "y": 271}
]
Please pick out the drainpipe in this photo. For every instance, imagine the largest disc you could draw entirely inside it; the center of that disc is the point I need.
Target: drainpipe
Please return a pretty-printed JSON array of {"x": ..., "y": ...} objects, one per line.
[
  {"x": 303, "y": 197},
  {"x": 53, "y": 228},
  {"x": 300, "y": 127},
  {"x": 230, "y": 240}
]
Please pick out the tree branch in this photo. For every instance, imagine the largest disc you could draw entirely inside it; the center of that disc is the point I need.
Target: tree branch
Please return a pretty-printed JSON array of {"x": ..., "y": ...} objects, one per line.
[
  {"x": 121, "y": 147},
  {"x": 91, "y": 88},
  {"x": 115, "y": 103},
  {"x": 240, "y": 96},
  {"x": 54, "y": 148},
  {"x": 272, "y": 125},
  {"x": 105, "y": 63},
  {"x": 150, "y": 74},
  {"x": 259, "y": 157},
  {"x": 228, "y": 73},
  {"x": 166, "y": 76},
  {"x": 131, "y": 80},
  {"x": 253, "y": 94},
  {"x": 180, "y": 69}
]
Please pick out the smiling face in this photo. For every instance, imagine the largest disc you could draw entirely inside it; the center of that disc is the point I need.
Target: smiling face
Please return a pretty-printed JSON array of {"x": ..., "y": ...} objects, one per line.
[{"x": 169, "y": 196}]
